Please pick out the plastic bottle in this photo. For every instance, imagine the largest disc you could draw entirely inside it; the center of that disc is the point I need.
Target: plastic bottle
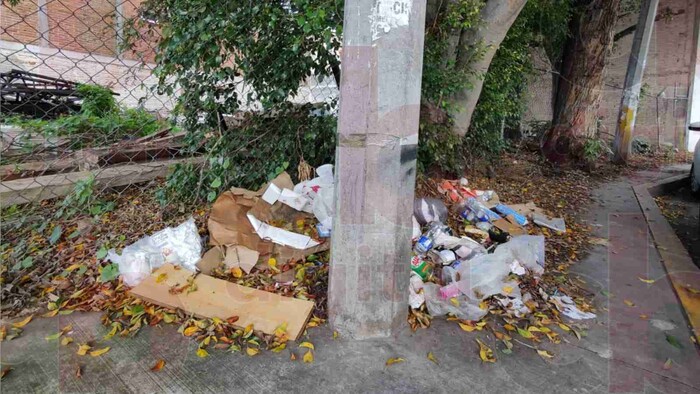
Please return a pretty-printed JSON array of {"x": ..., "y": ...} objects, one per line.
[
  {"x": 473, "y": 210},
  {"x": 427, "y": 240}
]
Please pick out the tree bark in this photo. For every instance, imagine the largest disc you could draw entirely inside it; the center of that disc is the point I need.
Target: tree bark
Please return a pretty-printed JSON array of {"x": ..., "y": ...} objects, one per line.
[
  {"x": 497, "y": 16},
  {"x": 581, "y": 79}
]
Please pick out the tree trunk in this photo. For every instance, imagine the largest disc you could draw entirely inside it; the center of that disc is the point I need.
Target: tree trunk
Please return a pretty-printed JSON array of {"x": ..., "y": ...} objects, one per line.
[
  {"x": 581, "y": 79},
  {"x": 496, "y": 18}
]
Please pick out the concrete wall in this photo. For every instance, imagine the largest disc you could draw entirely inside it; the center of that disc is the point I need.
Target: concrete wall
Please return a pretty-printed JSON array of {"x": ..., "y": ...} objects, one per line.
[{"x": 664, "y": 106}]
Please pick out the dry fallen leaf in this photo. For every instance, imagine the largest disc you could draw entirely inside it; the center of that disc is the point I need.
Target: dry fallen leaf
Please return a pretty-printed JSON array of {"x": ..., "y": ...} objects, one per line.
[
  {"x": 629, "y": 303},
  {"x": 485, "y": 352},
  {"x": 667, "y": 364},
  {"x": 189, "y": 331},
  {"x": 646, "y": 280},
  {"x": 395, "y": 360},
  {"x": 4, "y": 372},
  {"x": 158, "y": 365},
  {"x": 466, "y": 327},
  {"x": 308, "y": 357},
  {"x": 545, "y": 354},
  {"x": 202, "y": 353},
  {"x": 66, "y": 340},
  {"x": 232, "y": 319},
  {"x": 432, "y": 358},
  {"x": 23, "y": 323},
  {"x": 293, "y": 357},
  {"x": 96, "y": 353},
  {"x": 307, "y": 345},
  {"x": 161, "y": 277},
  {"x": 454, "y": 301},
  {"x": 83, "y": 349},
  {"x": 237, "y": 272},
  {"x": 252, "y": 351},
  {"x": 525, "y": 333},
  {"x": 79, "y": 372}
]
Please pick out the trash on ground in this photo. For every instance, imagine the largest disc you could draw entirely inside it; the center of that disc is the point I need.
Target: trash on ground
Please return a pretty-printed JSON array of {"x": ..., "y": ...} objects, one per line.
[
  {"x": 179, "y": 245},
  {"x": 499, "y": 269},
  {"x": 566, "y": 306},
  {"x": 205, "y": 296},
  {"x": 556, "y": 224},
  {"x": 243, "y": 219},
  {"x": 427, "y": 210}
]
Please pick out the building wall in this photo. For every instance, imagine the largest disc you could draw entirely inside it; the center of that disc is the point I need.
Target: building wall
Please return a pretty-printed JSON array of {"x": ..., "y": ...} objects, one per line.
[
  {"x": 663, "y": 109},
  {"x": 78, "y": 40}
]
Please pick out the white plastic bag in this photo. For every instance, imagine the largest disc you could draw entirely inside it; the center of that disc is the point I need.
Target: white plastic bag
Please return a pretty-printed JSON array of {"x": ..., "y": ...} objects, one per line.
[
  {"x": 463, "y": 309},
  {"x": 179, "y": 245},
  {"x": 321, "y": 192}
]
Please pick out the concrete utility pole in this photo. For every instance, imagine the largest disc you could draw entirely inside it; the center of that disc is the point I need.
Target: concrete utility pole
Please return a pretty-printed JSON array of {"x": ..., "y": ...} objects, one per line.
[
  {"x": 633, "y": 79},
  {"x": 382, "y": 62}
]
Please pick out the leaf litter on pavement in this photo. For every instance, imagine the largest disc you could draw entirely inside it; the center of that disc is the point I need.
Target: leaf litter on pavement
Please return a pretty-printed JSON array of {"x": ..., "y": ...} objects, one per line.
[{"x": 60, "y": 266}]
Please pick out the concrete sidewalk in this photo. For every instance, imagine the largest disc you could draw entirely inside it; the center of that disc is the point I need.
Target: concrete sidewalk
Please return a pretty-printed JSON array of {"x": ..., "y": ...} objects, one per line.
[{"x": 621, "y": 352}]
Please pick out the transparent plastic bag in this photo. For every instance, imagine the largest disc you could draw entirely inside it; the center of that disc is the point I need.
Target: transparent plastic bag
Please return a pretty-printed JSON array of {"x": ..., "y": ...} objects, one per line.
[{"x": 179, "y": 245}]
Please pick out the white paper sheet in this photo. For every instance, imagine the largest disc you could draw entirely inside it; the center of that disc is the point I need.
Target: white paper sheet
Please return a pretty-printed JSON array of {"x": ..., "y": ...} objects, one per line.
[{"x": 281, "y": 236}]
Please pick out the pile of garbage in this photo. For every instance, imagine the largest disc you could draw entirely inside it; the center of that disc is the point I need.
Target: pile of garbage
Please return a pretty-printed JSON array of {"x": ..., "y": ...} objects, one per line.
[
  {"x": 497, "y": 263},
  {"x": 491, "y": 261}
]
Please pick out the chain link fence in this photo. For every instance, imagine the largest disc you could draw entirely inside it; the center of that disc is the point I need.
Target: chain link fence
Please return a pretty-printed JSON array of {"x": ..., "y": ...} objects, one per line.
[{"x": 87, "y": 140}]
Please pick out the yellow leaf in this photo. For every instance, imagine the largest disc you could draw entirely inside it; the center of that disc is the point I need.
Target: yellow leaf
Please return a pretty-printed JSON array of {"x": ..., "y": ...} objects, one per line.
[
  {"x": 650, "y": 281},
  {"x": 335, "y": 335},
  {"x": 564, "y": 327},
  {"x": 393, "y": 361},
  {"x": 252, "y": 351},
  {"x": 100, "y": 352},
  {"x": 83, "y": 349},
  {"x": 72, "y": 267},
  {"x": 202, "y": 353},
  {"x": 533, "y": 329},
  {"x": 432, "y": 358},
  {"x": 161, "y": 277},
  {"x": 466, "y": 327},
  {"x": 66, "y": 340},
  {"x": 191, "y": 330},
  {"x": 112, "y": 332},
  {"x": 629, "y": 303},
  {"x": 23, "y": 322},
  {"x": 281, "y": 329},
  {"x": 454, "y": 301},
  {"x": 308, "y": 357},
  {"x": 507, "y": 289},
  {"x": 643, "y": 316},
  {"x": 50, "y": 313},
  {"x": 485, "y": 352},
  {"x": 307, "y": 345},
  {"x": 545, "y": 354},
  {"x": 279, "y": 348},
  {"x": 248, "y": 330},
  {"x": 272, "y": 262},
  {"x": 237, "y": 272},
  {"x": 483, "y": 305},
  {"x": 509, "y": 327}
]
